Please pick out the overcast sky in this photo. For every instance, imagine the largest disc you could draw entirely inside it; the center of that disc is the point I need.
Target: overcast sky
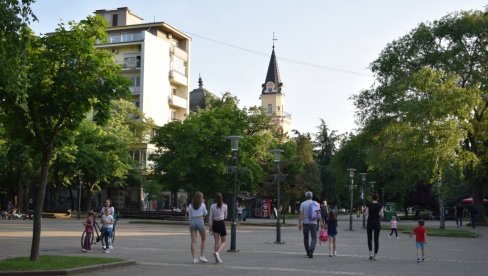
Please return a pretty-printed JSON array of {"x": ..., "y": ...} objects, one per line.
[{"x": 323, "y": 49}]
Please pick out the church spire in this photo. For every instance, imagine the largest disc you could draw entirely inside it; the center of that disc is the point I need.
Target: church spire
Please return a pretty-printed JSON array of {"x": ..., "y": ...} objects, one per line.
[{"x": 273, "y": 83}]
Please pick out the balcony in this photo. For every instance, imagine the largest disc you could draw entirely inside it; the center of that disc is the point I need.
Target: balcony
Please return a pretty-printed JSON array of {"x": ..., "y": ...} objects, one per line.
[
  {"x": 176, "y": 101},
  {"x": 135, "y": 90},
  {"x": 178, "y": 77}
]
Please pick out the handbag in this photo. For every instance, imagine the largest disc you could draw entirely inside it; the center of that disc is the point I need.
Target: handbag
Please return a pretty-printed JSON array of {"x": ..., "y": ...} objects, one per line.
[{"x": 323, "y": 235}]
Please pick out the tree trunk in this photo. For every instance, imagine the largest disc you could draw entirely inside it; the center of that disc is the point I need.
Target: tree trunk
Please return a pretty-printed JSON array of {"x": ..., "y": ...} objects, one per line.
[
  {"x": 89, "y": 187},
  {"x": 477, "y": 194},
  {"x": 41, "y": 193},
  {"x": 20, "y": 192}
]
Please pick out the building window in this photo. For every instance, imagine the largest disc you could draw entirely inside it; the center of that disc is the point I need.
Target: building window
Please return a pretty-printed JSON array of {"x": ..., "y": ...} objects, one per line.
[
  {"x": 132, "y": 61},
  {"x": 115, "y": 19},
  {"x": 270, "y": 109}
]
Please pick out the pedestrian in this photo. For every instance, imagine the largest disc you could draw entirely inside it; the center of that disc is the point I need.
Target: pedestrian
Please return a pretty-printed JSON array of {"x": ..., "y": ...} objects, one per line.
[
  {"x": 307, "y": 222},
  {"x": 90, "y": 218},
  {"x": 108, "y": 205},
  {"x": 324, "y": 211},
  {"x": 240, "y": 209},
  {"x": 108, "y": 225},
  {"x": 394, "y": 226},
  {"x": 374, "y": 212},
  {"x": 196, "y": 213},
  {"x": 332, "y": 233},
  {"x": 459, "y": 215},
  {"x": 420, "y": 239},
  {"x": 473, "y": 212},
  {"x": 216, "y": 221}
]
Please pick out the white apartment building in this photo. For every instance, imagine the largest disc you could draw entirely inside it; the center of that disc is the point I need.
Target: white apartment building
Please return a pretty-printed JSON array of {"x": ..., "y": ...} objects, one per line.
[{"x": 156, "y": 58}]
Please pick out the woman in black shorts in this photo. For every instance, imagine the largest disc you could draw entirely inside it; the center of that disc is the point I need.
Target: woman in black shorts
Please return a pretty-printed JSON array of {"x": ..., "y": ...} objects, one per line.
[{"x": 216, "y": 222}]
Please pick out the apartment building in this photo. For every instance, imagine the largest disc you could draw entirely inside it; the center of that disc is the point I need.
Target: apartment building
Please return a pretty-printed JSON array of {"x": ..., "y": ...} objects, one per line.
[{"x": 156, "y": 58}]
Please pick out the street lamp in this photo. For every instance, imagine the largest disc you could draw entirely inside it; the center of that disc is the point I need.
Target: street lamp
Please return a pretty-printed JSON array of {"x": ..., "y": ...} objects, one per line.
[
  {"x": 234, "y": 147},
  {"x": 363, "y": 178},
  {"x": 277, "y": 159},
  {"x": 441, "y": 203},
  {"x": 79, "y": 193},
  {"x": 351, "y": 188}
]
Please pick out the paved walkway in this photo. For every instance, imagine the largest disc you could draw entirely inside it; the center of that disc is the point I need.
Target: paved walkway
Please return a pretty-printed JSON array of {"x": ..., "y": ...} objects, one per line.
[{"x": 163, "y": 249}]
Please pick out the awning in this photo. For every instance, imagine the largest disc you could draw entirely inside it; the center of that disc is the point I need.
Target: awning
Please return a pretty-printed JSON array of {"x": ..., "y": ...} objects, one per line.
[{"x": 469, "y": 200}]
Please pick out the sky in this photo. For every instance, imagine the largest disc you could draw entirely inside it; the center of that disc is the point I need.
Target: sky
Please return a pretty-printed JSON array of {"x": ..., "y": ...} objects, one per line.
[{"x": 323, "y": 47}]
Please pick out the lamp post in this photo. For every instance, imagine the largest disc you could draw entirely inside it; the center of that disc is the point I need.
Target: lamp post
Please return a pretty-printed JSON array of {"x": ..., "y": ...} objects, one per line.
[
  {"x": 372, "y": 186},
  {"x": 363, "y": 178},
  {"x": 277, "y": 159},
  {"x": 79, "y": 194},
  {"x": 351, "y": 188},
  {"x": 234, "y": 147},
  {"x": 441, "y": 203}
]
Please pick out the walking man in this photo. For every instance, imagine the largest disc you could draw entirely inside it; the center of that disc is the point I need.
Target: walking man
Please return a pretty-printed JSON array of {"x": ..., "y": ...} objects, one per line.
[{"x": 307, "y": 222}]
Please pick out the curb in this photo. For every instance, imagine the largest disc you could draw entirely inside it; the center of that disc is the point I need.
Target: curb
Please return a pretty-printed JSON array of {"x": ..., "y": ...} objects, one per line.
[{"x": 70, "y": 271}]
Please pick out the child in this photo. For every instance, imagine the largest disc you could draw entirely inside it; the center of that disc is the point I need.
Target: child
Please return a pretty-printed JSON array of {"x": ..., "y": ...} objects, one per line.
[
  {"x": 420, "y": 239},
  {"x": 108, "y": 225},
  {"x": 394, "y": 224},
  {"x": 89, "y": 231},
  {"x": 332, "y": 233}
]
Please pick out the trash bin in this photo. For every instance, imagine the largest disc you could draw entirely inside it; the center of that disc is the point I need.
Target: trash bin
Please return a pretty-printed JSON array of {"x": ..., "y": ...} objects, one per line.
[{"x": 390, "y": 210}]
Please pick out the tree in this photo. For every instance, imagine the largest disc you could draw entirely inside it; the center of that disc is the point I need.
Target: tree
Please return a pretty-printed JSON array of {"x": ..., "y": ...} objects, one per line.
[
  {"x": 195, "y": 154},
  {"x": 66, "y": 77},
  {"x": 325, "y": 144},
  {"x": 430, "y": 100}
]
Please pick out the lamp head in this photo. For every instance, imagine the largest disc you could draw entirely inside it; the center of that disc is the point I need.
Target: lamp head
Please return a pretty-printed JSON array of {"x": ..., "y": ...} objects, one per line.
[
  {"x": 363, "y": 176},
  {"x": 351, "y": 172},
  {"x": 277, "y": 154},
  {"x": 234, "y": 142}
]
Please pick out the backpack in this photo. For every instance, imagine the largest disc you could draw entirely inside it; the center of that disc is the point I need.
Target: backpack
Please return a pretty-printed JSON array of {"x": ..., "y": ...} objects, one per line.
[{"x": 313, "y": 211}]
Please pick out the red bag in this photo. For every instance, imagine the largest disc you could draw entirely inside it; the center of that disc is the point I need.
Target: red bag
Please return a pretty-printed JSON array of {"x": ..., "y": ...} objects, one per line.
[{"x": 323, "y": 235}]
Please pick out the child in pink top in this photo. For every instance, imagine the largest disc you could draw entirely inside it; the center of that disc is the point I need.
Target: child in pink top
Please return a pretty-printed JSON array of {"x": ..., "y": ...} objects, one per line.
[
  {"x": 89, "y": 231},
  {"x": 394, "y": 225}
]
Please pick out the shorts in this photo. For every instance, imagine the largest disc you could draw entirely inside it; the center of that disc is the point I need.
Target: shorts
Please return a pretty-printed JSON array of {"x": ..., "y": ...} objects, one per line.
[
  {"x": 419, "y": 245},
  {"x": 218, "y": 226},
  {"x": 196, "y": 224}
]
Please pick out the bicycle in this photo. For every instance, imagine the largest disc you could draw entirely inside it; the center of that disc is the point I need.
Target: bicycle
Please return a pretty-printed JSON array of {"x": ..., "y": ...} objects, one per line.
[{"x": 97, "y": 230}]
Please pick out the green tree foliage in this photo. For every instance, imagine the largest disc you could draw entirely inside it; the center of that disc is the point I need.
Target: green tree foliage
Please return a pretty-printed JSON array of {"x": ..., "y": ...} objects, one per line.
[
  {"x": 325, "y": 144},
  {"x": 427, "y": 111},
  {"x": 66, "y": 77},
  {"x": 195, "y": 154}
]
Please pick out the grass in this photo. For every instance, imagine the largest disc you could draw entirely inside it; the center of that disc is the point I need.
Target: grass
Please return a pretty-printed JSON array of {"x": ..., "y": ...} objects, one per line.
[
  {"x": 48, "y": 262},
  {"x": 435, "y": 231}
]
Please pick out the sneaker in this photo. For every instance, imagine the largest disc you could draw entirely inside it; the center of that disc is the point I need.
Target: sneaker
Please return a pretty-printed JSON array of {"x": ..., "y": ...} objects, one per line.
[
  {"x": 389, "y": 236},
  {"x": 330, "y": 255},
  {"x": 106, "y": 251},
  {"x": 103, "y": 247},
  {"x": 371, "y": 257},
  {"x": 195, "y": 261},
  {"x": 418, "y": 260},
  {"x": 84, "y": 250},
  {"x": 398, "y": 238},
  {"x": 111, "y": 247},
  {"x": 203, "y": 259},
  {"x": 423, "y": 259},
  {"x": 217, "y": 258},
  {"x": 335, "y": 253}
]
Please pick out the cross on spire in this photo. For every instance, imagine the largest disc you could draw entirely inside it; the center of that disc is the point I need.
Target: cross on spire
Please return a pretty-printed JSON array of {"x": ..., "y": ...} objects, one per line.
[{"x": 274, "y": 39}]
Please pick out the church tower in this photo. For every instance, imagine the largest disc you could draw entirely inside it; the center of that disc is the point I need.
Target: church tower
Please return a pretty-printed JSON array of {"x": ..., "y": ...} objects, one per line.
[{"x": 273, "y": 98}]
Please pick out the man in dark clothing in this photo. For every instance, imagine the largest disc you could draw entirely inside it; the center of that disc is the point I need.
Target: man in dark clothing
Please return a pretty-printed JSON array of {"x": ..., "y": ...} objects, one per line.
[
  {"x": 473, "y": 212},
  {"x": 459, "y": 215}
]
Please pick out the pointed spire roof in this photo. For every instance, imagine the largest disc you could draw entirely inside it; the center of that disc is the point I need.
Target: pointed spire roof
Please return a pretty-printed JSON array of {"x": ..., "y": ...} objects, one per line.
[{"x": 273, "y": 75}]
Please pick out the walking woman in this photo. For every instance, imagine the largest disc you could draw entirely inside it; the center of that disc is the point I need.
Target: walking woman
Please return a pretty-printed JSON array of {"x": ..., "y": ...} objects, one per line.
[
  {"x": 196, "y": 212},
  {"x": 374, "y": 212},
  {"x": 216, "y": 222}
]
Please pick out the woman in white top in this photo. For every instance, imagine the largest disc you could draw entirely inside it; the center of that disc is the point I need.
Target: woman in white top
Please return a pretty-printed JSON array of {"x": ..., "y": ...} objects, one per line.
[
  {"x": 196, "y": 211},
  {"x": 216, "y": 222},
  {"x": 108, "y": 205}
]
